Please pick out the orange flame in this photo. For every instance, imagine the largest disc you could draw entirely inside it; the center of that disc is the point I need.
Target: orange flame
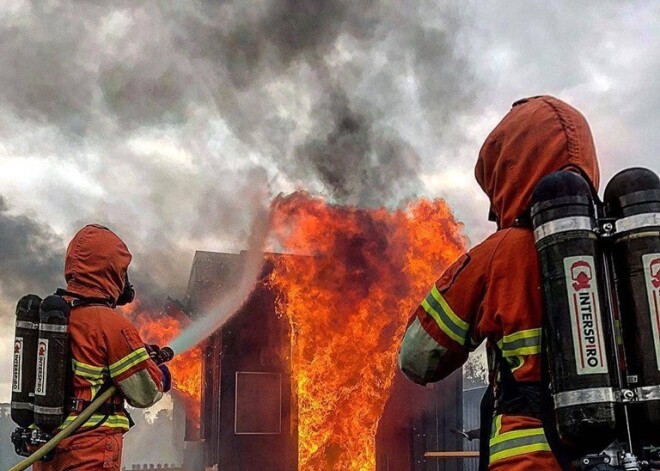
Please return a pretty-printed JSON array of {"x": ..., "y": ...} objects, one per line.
[
  {"x": 186, "y": 368},
  {"x": 348, "y": 302}
]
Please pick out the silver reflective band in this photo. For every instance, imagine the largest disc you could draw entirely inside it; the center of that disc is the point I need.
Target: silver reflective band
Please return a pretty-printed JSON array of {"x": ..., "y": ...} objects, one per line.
[
  {"x": 637, "y": 221},
  {"x": 22, "y": 405},
  {"x": 648, "y": 393},
  {"x": 577, "y": 223},
  {"x": 48, "y": 410},
  {"x": 584, "y": 396},
  {"x": 27, "y": 325},
  {"x": 53, "y": 328}
]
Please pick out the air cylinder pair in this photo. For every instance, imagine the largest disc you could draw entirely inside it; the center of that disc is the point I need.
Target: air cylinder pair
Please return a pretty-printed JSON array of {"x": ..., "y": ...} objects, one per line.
[
  {"x": 600, "y": 267},
  {"x": 41, "y": 362}
]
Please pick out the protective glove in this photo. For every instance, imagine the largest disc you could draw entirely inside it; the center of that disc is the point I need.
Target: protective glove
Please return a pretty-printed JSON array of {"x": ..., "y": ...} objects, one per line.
[
  {"x": 159, "y": 355},
  {"x": 167, "y": 377},
  {"x": 152, "y": 350}
]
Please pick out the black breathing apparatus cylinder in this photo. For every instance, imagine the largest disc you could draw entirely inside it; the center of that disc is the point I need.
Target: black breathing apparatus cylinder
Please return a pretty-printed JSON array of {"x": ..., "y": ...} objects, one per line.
[
  {"x": 632, "y": 199},
  {"x": 42, "y": 363},
  {"x": 52, "y": 364},
  {"x": 24, "y": 360},
  {"x": 576, "y": 330}
]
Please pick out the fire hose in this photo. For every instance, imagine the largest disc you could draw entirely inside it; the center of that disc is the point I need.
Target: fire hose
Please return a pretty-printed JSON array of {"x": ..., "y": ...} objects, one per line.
[{"x": 165, "y": 354}]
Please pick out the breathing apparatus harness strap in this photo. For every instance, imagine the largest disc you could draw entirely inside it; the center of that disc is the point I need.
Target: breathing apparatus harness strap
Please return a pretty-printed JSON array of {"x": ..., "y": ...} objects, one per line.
[
  {"x": 486, "y": 411},
  {"x": 76, "y": 406},
  {"x": 511, "y": 397},
  {"x": 80, "y": 300},
  {"x": 515, "y": 397},
  {"x": 523, "y": 398}
]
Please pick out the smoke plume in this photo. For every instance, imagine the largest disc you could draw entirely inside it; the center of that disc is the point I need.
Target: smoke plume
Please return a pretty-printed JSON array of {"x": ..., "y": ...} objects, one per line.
[
  {"x": 222, "y": 309},
  {"x": 30, "y": 254},
  {"x": 150, "y": 117},
  {"x": 154, "y": 118}
]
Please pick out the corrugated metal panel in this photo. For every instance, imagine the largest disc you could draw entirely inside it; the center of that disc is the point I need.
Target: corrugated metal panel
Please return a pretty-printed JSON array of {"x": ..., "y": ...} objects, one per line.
[
  {"x": 471, "y": 417},
  {"x": 419, "y": 419}
]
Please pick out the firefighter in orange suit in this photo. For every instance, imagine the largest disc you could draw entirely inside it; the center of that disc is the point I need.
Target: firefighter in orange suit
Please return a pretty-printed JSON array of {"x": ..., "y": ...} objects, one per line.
[
  {"x": 493, "y": 292},
  {"x": 105, "y": 347}
]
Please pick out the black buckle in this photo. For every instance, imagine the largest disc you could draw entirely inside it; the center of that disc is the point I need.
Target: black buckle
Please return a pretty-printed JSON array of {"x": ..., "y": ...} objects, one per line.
[
  {"x": 79, "y": 300},
  {"x": 76, "y": 405},
  {"x": 594, "y": 462}
]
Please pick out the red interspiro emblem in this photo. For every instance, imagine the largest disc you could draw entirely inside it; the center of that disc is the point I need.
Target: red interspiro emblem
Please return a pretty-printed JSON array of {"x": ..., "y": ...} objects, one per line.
[{"x": 581, "y": 275}]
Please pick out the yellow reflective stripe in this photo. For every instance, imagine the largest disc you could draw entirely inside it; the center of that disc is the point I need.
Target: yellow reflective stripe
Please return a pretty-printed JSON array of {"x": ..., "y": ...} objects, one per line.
[
  {"x": 523, "y": 342},
  {"x": 129, "y": 361},
  {"x": 520, "y": 450},
  {"x": 91, "y": 369},
  {"x": 514, "y": 434},
  {"x": 93, "y": 374},
  {"x": 113, "y": 421},
  {"x": 524, "y": 351},
  {"x": 435, "y": 306},
  {"x": 457, "y": 320},
  {"x": 516, "y": 442},
  {"x": 522, "y": 334},
  {"x": 96, "y": 376},
  {"x": 496, "y": 427},
  {"x": 95, "y": 389}
]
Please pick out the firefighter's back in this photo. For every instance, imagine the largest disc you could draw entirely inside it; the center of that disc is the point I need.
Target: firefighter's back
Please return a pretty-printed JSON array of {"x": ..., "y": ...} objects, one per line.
[{"x": 510, "y": 320}]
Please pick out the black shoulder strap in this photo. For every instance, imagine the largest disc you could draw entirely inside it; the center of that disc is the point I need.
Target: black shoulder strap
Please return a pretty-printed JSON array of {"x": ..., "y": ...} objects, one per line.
[
  {"x": 563, "y": 455},
  {"x": 524, "y": 220},
  {"x": 531, "y": 399},
  {"x": 79, "y": 300},
  {"x": 516, "y": 397},
  {"x": 486, "y": 411}
]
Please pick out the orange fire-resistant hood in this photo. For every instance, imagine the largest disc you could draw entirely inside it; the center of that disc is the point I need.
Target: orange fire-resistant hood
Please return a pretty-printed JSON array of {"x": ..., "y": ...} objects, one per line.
[
  {"x": 96, "y": 263},
  {"x": 538, "y": 136}
]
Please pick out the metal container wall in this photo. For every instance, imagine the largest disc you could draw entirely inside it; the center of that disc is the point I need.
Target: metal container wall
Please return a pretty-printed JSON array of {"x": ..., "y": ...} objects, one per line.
[{"x": 417, "y": 420}]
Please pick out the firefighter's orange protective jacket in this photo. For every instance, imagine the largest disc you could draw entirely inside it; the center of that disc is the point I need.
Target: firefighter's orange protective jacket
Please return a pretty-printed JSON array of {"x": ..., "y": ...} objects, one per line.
[
  {"x": 493, "y": 292},
  {"x": 105, "y": 347}
]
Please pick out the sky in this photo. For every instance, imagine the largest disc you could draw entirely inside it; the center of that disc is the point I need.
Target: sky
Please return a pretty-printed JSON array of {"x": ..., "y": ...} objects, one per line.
[{"x": 157, "y": 118}]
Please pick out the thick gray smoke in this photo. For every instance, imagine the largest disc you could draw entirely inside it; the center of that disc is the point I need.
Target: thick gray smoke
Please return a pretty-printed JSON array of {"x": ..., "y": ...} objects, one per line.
[
  {"x": 30, "y": 254},
  {"x": 356, "y": 164},
  {"x": 222, "y": 309},
  {"x": 325, "y": 48},
  {"x": 250, "y": 39},
  {"x": 156, "y": 118},
  {"x": 162, "y": 111}
]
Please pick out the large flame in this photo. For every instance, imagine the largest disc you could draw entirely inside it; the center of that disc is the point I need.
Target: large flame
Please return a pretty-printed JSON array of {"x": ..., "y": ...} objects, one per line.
[
  {"x": 159, "y": 329},
  {"x": 348, "y": 302}
]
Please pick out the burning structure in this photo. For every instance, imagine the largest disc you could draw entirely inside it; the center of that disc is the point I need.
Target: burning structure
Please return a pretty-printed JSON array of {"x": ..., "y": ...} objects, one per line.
[
  {"x": 250, "y": 401},
  {"x": 303, "y": 375},
  {"x": 300, "y": 377}
]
